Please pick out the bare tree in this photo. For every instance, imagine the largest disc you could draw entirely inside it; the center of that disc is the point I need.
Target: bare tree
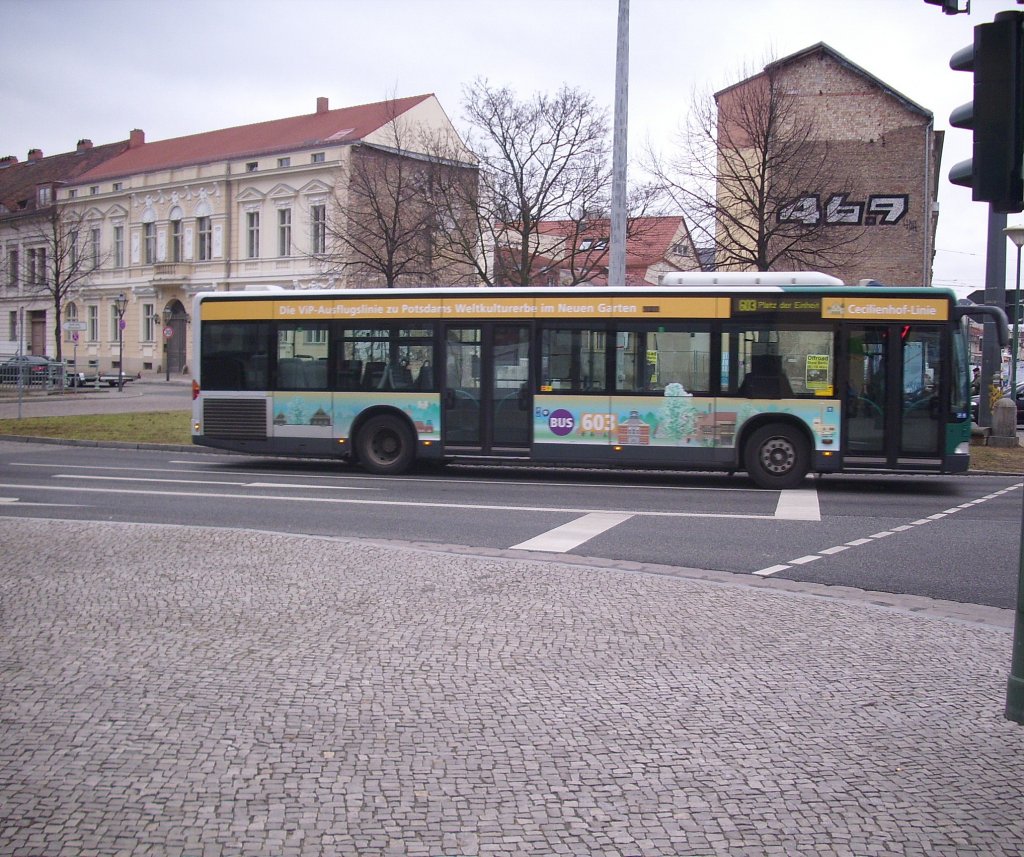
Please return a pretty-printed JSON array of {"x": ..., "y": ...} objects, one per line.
[
  {"x": 382, "y": 224},
  {"x": 748, "y": 175},
  {"x": 544, "y": 158},
  {"x": 63, "y": 253}
]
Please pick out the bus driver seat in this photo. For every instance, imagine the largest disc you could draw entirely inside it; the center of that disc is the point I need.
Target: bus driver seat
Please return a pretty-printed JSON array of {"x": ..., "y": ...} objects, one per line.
[{"x": 766, "y": 380}]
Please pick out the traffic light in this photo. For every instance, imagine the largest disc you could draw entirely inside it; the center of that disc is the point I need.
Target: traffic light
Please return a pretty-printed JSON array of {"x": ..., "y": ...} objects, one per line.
[{"x": 995, "y": 173}]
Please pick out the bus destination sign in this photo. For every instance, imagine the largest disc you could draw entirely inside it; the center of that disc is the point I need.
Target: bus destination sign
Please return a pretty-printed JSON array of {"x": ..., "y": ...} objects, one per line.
[{"x": 786, "y": 304}]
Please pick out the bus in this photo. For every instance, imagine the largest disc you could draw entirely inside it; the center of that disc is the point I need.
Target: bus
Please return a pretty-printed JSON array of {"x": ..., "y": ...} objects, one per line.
[{"x": 778, "y": 375}]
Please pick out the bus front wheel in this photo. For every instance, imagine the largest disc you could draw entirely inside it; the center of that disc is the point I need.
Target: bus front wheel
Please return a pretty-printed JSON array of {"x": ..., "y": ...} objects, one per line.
[
  {"x": 385, "y": 446},
  {"x": 776, "y": 457}
]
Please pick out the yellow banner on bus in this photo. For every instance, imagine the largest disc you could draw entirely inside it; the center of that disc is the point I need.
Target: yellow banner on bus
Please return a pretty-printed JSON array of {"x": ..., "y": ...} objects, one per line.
[
  {"x": 881, "y": 308},
  {"x": 524, "y": 307}
]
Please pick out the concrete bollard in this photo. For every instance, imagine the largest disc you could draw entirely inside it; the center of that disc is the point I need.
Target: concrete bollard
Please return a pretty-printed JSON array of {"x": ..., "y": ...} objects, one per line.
[{"x": 1004, "y": 424}]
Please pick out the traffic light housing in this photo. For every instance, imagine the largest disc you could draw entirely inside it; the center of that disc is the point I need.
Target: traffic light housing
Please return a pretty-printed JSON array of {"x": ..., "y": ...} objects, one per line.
[{"x": 995, "y": 173}]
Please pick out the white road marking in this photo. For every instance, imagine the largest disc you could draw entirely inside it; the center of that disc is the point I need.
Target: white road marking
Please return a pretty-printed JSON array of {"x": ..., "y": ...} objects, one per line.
[
  {"x": 798, "y": 504},
  {"x": 765, "y": 572},
  {"x": 405, "y": 503},
  {"x": 564, "y": 538},
  {"x": 210, "y": 482}
]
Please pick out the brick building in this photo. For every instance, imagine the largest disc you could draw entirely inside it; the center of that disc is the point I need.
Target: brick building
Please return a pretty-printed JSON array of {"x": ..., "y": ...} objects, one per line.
[{"x": 883, "y": 154}]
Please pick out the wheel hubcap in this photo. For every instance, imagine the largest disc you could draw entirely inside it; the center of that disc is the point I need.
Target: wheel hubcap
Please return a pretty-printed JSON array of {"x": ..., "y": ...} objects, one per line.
[{"x": 778, "y": 456}]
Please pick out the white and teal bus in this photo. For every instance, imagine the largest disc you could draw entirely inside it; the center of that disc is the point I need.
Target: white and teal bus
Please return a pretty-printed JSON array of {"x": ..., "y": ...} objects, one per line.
[{"x": 778, "y": 375}]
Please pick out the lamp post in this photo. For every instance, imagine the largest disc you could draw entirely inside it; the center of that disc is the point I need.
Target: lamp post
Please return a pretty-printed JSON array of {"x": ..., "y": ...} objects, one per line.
[
  {"x": 1016, "y": 235},
  {"x": 120, "y": 305},
  {"x": 167, "y": 345}
]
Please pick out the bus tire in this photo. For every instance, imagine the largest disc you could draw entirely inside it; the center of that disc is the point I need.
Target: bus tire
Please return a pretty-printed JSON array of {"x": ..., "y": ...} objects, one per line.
[
  {"x": 385, "y": 445},
  {"x": 777, "y": 456}
]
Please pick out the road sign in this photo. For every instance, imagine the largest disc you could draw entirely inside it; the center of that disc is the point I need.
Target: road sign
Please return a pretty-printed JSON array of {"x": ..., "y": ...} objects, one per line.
[
  {"x": 72, "y": 326},
  {"x": 168, "y": 332}
]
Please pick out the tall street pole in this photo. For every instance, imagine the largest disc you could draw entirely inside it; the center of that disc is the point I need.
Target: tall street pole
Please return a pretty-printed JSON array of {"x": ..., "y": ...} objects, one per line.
[{"x": 617, "y": 250}]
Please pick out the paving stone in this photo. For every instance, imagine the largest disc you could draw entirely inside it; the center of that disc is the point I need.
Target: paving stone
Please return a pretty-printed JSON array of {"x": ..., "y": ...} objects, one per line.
[{"x": 212, "y": 693}]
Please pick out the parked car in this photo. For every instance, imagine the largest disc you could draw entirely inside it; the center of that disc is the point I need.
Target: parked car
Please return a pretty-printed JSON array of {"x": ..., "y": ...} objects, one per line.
[
  {"x": 1019, "y": 401},
  {"x": 30, "y": 370},
  {"x": 91, "y": 379}
]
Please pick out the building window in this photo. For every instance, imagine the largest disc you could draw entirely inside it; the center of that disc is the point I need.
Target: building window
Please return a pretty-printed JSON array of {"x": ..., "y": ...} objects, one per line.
[
  {"x": 94, "y": 189},
  {"x": 12, "y": 267},
  {"x": 252, "y": 166},
  {"x": 252, "y": 234},
  {"x": 284, "y": 162},
  {"x": 93, "y": 321},
  {"x": 70, "y": 314},
  {"x": 12, "y": 325},
  {"x": 205, "y": 239},
  {"x": 317, "y": 158},
  {"x": 149, "y": 240},
  {"x": 176, "y": 239},
  {"x": 118, "y": 185},
  {"x": 114, "y": 329},
  {"x": 94, "y": 247},
  {"x": 148, "y": 323},
  {"x": 318, "y": 220},
  {"x": 72, "y": 193},
  {"x": 45, "y": 195},
  {"x": 73, "y": 249},
  {"x": 284, "y": 232},
  {"x": 118, "y": 246},
  {"x": 37, "y": 266}
]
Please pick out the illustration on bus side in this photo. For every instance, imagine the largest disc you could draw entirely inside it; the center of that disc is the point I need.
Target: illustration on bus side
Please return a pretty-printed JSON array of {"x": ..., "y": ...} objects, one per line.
[
  {"x": 676, "y": 419},
  {"x": 337, "y": 413}
]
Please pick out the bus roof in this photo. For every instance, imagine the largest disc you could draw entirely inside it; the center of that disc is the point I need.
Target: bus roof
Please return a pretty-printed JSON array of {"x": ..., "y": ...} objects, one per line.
[{"x": 750, "y": 278}]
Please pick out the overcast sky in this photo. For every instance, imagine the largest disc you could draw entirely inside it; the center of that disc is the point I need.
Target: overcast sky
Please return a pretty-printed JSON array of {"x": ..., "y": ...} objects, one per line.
[{"x": 99, "y": 68}]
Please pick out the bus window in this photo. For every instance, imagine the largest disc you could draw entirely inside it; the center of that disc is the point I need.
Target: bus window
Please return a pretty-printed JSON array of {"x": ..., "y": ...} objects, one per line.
[
  {"x": 650, "y": 357},
  {"x": 573, "y": 360},
  {"x": 301, "y": 357},
  {"x": 772, "y": 363},
  {"x": 234, "y": 355}
]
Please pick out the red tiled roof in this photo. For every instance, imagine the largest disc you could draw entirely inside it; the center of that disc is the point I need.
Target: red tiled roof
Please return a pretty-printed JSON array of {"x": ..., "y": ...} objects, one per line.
[
  {"x": 18, "y": 181},
  {"x": 347, "y": 124},
  {"x": 650, "y": 241}
]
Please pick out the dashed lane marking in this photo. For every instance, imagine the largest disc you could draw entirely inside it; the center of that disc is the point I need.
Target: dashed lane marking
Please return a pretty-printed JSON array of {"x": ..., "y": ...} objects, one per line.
[{"x": 803, "y": 560}]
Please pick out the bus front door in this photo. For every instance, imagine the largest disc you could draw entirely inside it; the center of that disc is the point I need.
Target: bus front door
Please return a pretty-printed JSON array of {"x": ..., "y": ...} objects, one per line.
[
  {"x": 487, "y": 388},
  {"x": 897, "y": 380}
]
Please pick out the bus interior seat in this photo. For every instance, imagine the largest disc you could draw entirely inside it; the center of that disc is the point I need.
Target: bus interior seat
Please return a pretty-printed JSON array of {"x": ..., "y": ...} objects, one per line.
[
  {"x": 289, "y": 374},
  {"x": 425, "y": 377},
  {"x": 373, "y": 373},
  {"x": 766, "y": 378},
  {"x": 350, "y": 373},
  {"x": 401, "y": 377}
]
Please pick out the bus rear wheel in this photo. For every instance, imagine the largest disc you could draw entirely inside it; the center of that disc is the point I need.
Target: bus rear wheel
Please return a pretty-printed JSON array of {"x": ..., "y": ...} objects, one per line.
[
  {"x": 777, "y": 457},
  {"x": 385, "y": 446}
]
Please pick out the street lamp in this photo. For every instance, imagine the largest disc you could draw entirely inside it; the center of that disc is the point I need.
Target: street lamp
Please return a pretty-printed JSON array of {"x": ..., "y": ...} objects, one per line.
[
  {"x": 1016, "y": 235},
  {"x": 120, "y": 305},
  {"x": 167, "y": 345}
]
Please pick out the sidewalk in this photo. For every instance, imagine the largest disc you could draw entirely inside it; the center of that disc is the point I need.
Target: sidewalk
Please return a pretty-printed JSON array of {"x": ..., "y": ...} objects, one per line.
[{"x": 285, "y": 695}]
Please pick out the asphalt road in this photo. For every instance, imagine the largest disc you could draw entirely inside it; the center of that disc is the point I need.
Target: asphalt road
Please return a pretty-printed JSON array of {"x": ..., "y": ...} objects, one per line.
[{"x": 950, "y": 538}]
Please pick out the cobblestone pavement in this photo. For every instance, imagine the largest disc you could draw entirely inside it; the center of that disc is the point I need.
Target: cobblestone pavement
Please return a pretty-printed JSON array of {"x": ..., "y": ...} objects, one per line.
[{"x": 173, "y": 691}]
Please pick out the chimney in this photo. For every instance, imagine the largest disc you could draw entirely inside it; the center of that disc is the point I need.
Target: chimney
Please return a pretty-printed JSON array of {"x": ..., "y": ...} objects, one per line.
[
  {"x": 136, "y": 138},
  {"x": 84, "y": 145},
  {"x": 321, "y": 105},
  {"x": 8, "y": 161},
  {"x": 35, "y": 155}
]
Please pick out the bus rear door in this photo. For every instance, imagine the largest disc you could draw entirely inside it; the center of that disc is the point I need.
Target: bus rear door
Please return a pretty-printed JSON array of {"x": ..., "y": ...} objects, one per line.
[{"x": 487, "y": 390}]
